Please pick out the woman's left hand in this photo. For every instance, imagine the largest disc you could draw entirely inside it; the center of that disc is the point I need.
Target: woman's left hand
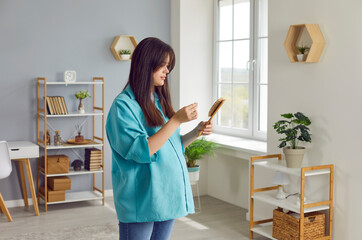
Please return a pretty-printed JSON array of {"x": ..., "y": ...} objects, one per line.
[{"x": 208, "y": 127}]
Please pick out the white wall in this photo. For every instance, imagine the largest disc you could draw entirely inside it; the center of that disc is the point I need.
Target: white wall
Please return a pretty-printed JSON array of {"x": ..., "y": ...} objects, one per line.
[
  {"x": 223, "y": 176},
  {"x": 191, "y": 38},
  {"x": 329, "y": 92}
]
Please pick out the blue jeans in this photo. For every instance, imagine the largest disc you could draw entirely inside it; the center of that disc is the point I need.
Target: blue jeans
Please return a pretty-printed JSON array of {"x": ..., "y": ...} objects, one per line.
[{"x": 146, "y": 230}]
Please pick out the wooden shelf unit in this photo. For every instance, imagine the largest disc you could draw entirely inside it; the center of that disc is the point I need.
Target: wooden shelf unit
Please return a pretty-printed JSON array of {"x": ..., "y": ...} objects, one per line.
[
  {"x": 317, "y": 42},
  {"x": 123, "y": 42},
  {"x": 97, "y": 141},
  {"x": 274, "y": 162}
]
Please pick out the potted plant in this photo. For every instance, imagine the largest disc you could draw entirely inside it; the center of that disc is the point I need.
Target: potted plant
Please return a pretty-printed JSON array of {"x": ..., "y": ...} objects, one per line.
[
  {"x": 195, "y": 151},
  {"x": 125, "y": 54},
  {"x": 303, "y": 50},
  {"x": 82, "y": 95},
  {"x": 295, "y": 130}
]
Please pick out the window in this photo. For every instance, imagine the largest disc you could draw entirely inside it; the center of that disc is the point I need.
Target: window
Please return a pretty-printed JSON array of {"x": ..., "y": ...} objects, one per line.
[{"x": 242, "y": 67}]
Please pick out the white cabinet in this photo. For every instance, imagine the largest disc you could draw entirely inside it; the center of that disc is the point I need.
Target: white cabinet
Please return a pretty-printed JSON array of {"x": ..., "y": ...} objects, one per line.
[
  {"x": 267, "y": 194},
  {"x": 44, "y": 118}
]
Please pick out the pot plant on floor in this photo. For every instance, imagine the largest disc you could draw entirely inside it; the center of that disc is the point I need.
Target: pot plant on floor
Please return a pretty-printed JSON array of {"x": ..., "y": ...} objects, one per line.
[
  {"x": 195, "y": 151},
  {"x": 295, "y": 129}
]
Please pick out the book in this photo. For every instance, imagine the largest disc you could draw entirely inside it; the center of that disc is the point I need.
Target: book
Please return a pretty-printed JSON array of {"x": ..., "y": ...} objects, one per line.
[
  {"x": 60, "y": 105},
  {"x": 49, "y": 106},
  {"x": 93, "y": 161},
  {"x": 93, "y": 157},
  {"x": 64, "y": 105},
  {"x": 92, "y": 168},
  {"x": 92, "y": 150},
  {"x": 52, "y": 104},
  {"x": 93, "y": 154},
  {"x": 56, "y": 105},
  {"x": 92, "y": 165}
]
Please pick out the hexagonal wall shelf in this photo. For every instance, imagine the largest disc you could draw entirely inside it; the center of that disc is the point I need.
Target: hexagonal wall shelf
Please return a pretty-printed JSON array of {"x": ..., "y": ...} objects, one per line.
[
  {"x": 307, "y": 35},
  {"x": 123, "y": 42}
]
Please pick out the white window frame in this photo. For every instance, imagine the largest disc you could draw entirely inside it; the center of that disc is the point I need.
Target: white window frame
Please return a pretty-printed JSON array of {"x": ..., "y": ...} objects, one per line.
[{"x": 252, "y": 131}]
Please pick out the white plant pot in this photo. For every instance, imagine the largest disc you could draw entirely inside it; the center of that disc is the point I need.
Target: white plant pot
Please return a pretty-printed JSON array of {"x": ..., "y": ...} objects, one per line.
[
  {"x": 294, "y": 157},
  {"x": 300, "y": 57},
  {"x": 125, "y": 56},
  {"x": 194, "y": 173}
]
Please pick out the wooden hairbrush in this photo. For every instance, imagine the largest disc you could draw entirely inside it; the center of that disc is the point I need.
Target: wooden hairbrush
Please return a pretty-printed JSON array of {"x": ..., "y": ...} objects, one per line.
[{"x": 213, "y": 110}]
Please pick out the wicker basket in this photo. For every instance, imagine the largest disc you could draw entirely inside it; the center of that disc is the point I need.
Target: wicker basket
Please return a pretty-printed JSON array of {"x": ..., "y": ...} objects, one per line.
[{"x": 286, "y": 227}]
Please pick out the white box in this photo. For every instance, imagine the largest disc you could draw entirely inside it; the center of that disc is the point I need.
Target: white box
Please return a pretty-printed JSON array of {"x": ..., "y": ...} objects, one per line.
[{"x": 23, "y": 149}]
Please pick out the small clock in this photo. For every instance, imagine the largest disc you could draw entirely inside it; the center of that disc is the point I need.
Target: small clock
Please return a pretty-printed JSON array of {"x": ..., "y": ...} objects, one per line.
[{"x": 70, "y": 76}]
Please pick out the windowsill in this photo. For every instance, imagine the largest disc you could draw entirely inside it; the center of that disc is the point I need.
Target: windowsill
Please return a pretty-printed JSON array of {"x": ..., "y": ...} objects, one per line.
[{"x": 248, "y": 146}]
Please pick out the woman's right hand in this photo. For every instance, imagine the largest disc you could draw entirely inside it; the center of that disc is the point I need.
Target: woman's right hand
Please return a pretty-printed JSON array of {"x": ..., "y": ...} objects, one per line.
[{"x": 187, "y": 113}]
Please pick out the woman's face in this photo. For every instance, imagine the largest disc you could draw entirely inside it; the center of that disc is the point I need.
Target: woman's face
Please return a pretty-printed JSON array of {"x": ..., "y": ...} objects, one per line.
[{"x": 159, "y": 76}]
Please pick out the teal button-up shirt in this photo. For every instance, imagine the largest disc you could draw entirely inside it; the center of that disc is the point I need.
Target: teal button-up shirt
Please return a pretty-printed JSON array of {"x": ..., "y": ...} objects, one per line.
[{"x": 145, "y": 188}]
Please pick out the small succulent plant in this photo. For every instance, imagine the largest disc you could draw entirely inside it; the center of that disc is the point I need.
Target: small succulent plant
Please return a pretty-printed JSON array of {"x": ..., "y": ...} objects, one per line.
[{"x": 125, "y": 51}]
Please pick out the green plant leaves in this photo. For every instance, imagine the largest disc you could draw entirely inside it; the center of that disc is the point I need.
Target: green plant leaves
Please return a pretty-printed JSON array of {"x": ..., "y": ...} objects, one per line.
[
  {"x": 82, "y": 94},
  {"x": 294, "y": 130},
  {"x": 198, "y": 148}
]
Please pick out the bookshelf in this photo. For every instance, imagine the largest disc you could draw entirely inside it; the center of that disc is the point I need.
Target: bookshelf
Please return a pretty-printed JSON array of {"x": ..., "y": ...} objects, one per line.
[
  {"x": 267, "y": 194},
  {"x": 44, "y": 117}
]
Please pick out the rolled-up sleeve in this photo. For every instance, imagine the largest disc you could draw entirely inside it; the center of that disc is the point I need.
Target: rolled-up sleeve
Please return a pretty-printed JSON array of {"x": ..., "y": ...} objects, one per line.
[{"x": 126, "y": 134}]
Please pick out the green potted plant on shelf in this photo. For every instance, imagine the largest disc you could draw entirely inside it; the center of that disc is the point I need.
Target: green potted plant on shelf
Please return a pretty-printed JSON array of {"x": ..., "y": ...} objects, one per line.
[
  {"x": 125, "y": 54},
  {"x": 294, "y": 126},
  {"x": 81, "y": 95},
  {"x": 195, "y": 151},
  {"x": 303, "y": 51}
]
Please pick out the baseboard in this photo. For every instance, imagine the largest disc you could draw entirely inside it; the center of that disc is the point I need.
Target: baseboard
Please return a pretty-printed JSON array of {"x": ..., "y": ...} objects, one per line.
[{"x": 20, "y": 202}]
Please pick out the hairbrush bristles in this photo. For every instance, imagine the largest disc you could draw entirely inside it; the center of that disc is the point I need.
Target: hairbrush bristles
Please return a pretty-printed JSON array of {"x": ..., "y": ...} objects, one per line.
[{"x": 216, "y": 106}]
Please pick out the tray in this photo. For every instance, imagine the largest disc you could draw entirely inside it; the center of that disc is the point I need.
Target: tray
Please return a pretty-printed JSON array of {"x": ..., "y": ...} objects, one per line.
[{"x": 85, "y": 141}]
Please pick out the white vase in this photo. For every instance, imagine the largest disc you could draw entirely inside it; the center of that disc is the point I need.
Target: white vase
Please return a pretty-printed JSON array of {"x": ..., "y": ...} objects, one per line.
[
  {"x": 300, "y": 57},
  {"x": 294, "y": 157},
  {"x": 125, "y": 56},
  {"x": 194, "y": 173},
  {"x": 81, "y": 106}
]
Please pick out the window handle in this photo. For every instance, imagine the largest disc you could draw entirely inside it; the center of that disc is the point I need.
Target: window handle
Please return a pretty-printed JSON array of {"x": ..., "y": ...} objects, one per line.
[{"x": 252, "y": 64}]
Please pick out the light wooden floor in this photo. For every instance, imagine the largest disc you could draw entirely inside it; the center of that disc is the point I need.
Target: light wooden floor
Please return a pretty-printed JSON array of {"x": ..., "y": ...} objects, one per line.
[{"x": 218, "y": 220}]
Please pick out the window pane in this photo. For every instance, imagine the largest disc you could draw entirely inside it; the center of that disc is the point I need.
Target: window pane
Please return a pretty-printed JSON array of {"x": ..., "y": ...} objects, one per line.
[
  {"x": 224, "y": 118},
  {"x": 241, "y": 58},
  {"x": 241, "y": 19},
  {"x": 262, "y": 107},
  {"x": 241, "y": 106},
  {"x": 225, "y": 19},
  {"x": 225, "y": 62},
  {"x": 263, "y": 18},
  {"x": 262, "y": 64}
]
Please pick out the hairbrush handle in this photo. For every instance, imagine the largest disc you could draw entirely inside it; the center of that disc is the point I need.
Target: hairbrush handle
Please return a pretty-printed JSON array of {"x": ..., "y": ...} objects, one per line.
[{"x": 203, "y": 127}]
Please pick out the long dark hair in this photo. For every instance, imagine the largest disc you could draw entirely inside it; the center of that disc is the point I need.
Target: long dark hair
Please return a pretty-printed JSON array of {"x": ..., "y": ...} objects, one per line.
[{"x": 148, "y": 57}]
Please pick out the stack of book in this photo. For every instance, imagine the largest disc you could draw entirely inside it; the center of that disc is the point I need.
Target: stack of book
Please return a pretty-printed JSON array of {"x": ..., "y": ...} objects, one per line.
[
  {"x": 56, "y": 105},
  {"x": 93, "y": 159}
]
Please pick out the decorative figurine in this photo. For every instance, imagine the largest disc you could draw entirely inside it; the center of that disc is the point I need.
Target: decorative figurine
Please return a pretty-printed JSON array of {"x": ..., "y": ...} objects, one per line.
[
  {"x": 48, "y": 138},
  {"x": 57, "y": 139},
  {"x": 77, "y": 165},
  {"x": 79, "y": 137}
]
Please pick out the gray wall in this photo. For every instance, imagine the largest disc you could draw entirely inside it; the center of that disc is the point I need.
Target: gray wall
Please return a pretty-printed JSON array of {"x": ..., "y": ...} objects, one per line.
[{"x": 43, "y": 38}]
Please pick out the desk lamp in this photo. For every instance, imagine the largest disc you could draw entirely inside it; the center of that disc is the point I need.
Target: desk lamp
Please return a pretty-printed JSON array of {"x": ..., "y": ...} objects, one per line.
[{"x": 280, "y": 179}]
